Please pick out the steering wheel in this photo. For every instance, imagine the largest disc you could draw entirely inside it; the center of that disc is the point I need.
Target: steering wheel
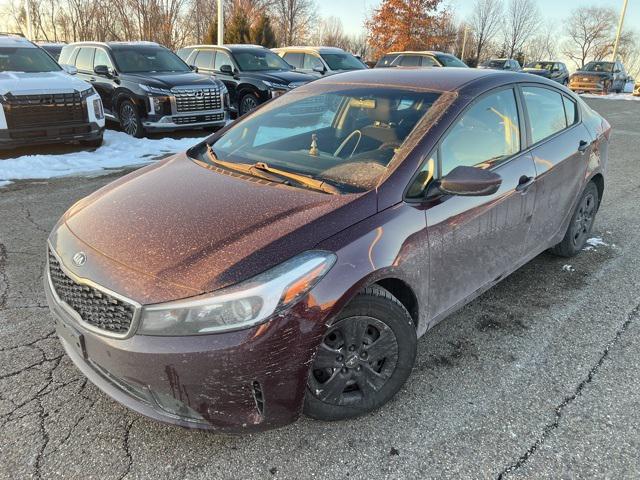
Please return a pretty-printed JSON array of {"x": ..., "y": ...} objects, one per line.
[{"x": 346, "y": 141}]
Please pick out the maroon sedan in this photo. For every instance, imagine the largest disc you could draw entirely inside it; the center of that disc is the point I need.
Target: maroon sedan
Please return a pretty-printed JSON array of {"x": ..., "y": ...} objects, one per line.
[{"x": 289, "y": 263}]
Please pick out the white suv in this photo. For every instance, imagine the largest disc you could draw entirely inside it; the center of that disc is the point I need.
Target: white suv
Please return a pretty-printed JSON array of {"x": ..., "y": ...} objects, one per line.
[
  {"x": 320, "y": 61},
  {"x": 42, "y": 103}
]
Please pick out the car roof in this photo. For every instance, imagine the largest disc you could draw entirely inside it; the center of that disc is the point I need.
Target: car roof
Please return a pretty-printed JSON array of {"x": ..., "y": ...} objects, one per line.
[
  {"x": 442, "y": 79},
  {"x": 418, "y": 52},
  {"x": 116, "y": 45},
  {"x": 227, "y": 46},
  {"x": 319, "y": 49},
  {"x": 15, "y": 40}
]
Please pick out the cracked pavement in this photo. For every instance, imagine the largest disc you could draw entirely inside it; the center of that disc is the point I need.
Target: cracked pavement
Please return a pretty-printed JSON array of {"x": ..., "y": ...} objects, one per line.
[{"x": 537, "y": 378}]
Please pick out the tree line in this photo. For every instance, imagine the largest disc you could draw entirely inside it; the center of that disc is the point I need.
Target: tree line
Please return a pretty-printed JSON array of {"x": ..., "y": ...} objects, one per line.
[{"x": 504, "y": 28}]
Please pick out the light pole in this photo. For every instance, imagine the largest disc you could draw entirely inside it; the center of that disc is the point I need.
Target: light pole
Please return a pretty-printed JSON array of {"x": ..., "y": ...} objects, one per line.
[
  {"x": 464, "y": 42},
  {"x": 29, "y": 27},
  {"x": 220, "y": 23},
  {"x": 615, "y": 45}
]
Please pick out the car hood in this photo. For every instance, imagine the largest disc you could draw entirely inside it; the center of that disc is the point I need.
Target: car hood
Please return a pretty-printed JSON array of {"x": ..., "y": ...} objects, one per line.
[
  {"x": 537, "y": 71},
  {"x": 280, "y": 76},
  {"x": 202, "y": 229},
  {"x": 21, "y": 83},
  {"x": 170, "y": 79}
]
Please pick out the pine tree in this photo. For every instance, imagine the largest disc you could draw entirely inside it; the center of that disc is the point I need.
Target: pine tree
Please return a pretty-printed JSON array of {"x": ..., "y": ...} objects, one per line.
[
  {"x": 238, "y": 29},
  {"x": 262, "y": 32}
]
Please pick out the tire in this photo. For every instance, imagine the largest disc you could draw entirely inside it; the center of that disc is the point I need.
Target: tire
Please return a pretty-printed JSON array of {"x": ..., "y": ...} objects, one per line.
[
  {"x": 346, "y": 382},
  {"x": 247, "y": 102},
  {"x": 565, "y": 82},
  {"x": 581, "y": 223},
  {"x": 129, "y": 117},
  {"x": 95, "y": 143}
]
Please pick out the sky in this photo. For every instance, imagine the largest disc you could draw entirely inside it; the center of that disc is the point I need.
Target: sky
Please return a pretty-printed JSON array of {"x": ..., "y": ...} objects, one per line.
[{"x": 353, "y": 12}]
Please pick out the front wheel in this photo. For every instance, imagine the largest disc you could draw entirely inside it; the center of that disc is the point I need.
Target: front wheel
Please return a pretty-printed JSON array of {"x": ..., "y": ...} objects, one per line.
[
  {"x": 248, "y": 102},
  {"x": 365, "y": 357},
  {"x": 581, "y": 223},
  {"x": 130, "y": 119}
]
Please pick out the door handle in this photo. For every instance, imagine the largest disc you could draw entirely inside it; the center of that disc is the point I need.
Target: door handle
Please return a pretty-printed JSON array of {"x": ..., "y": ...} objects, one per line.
[
  {"x": 524, "y": 183},
  {"x": 582, "y": 146}
]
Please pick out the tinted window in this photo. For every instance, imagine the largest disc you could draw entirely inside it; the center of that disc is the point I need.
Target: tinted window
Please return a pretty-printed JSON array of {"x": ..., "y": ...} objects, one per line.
[
  {"x": 31, "y": 60},
  {"x": 546, "y": 112},
  {"x": 183, "y": 53},
  {"x": 451, "y": 61},
  {"x": 429, "y": 62},
  {"x": 205, "y": 59},
  {"x": 311, "y": 61},
  {"x": 259, "y": 60},
  {"x": 487, "y": 133},
  {"x": 386, "y": 60},
  {"x": 294, "y": 59},
  {"x": 84, "y": 61},
  {"x": 222, "y": 58},
  {"x": 570, "y": 110},
  {"x": 102, "y": 58},
  {"x": 409, "y": 61},
  {"x": 342, "y": 61}
]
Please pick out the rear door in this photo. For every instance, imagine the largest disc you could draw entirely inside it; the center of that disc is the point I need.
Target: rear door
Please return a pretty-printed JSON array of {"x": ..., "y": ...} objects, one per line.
[
  {"x": 84, "y": 63},
  {"x": 474, "y": 241},
  {"x": 561, "y": 147}
]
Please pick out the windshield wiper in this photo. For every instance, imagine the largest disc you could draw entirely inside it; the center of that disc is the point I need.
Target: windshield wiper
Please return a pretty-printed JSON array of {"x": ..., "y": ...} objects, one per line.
[
  {"x": 302, "y": 179},
  {"x": 259, "y": 167}
]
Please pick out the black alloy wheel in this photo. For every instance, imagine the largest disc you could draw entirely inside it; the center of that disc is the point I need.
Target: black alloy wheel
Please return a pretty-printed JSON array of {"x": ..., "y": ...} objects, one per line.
[
  {"x": 248, "y": 102},
  {"x": 365, "y": 357},
  {"x": 130, "y": 119},
  {"x": 581, "y": 223}
]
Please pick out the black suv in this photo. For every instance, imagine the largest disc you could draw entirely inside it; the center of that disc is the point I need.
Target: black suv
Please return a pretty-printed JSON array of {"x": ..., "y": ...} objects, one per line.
[
  {"x": 501, "y": 64},
  {"x": 147, "y": 87},
  {"x": 556, "y": 71},
  {"x": 599, "y": 77},
  {"x": 252, "y": 74}
]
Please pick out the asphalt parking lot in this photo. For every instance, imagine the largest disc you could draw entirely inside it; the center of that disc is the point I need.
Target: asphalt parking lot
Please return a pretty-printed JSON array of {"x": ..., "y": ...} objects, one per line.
[{"x": 537, "y": 378}]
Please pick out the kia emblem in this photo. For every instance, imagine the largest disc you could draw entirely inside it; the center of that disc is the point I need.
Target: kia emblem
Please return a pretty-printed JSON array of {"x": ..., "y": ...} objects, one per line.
[{"x": 80, "y": 259}]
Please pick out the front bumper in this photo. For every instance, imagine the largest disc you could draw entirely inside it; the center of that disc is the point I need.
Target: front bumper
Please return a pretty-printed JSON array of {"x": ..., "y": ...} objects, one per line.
[
  {"x": 51, "y": 134},
  {"x": 187, "y": 120},
  {"x": 242, "y": 381},
  {"x": 581, "y": 86}
]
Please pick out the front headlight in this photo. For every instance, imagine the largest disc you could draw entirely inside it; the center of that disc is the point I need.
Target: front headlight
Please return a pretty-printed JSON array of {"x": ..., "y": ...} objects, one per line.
[
  {"x": 276, "y": 86},
  {"x": 154, "y": 90},
  {"x": 244, "y": 305}
]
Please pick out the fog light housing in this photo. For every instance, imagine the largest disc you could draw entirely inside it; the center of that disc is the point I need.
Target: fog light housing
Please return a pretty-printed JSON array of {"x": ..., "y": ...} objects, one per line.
[
  {"x": 175, "y": 407},
  {"x": 97, "y": 108}
]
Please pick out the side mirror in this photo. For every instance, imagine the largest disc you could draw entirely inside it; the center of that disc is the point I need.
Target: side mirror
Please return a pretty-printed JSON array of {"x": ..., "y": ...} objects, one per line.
[
  {"x": 226, "y": 69},
  {"x": 193, "y": 68},
  {"x": 102, "y": 70},
  {"x": 70, "y": 69},
  {"x": 470, "y": 182},
  {"x": 319, "y": 68}
]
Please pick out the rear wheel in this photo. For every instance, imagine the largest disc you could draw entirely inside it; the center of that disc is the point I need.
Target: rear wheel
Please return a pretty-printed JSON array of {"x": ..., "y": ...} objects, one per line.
[
  {"x": 365, "y": 357},
  {"x": 581, "y": 223}
]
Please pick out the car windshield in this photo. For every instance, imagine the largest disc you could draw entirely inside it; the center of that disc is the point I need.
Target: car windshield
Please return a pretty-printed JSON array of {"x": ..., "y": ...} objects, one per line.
[
  {"x": 598, "y": 67},
  {"x": 342, "y": 61},
  {"x": 28, "y": 60},
  {"x": 451, "y": 61},
  {"x": 259, "y": 60},
  {"x": 540, "y": 65},
  {"x": 148, "y": 60},
  {"x": 345, "y": 138},
  {"x": 494, "y": 63}
]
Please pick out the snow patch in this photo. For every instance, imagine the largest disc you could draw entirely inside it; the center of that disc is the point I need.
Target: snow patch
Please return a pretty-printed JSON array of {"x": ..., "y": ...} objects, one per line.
[
  {"x": 597, "y": 242},
  {"x": 118, "y": 150},
  {"x": 568, "y": 268}
]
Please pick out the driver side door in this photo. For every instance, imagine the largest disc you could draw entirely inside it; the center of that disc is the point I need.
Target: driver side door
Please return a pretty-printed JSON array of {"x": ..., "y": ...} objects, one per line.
[{"x": 476, "y": 241}]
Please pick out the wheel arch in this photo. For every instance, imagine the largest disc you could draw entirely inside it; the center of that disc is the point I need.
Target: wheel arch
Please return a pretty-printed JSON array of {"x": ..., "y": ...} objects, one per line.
[
  {"x": 598, "y": 179},
  {"x": 404, "y": 293}
]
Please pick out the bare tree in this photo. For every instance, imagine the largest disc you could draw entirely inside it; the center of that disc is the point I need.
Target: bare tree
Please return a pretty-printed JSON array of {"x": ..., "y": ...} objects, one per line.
[
  {"x": 293, "y": 20},
  {"x": 485, "y": 23},
  {"x": 543, "y": 46},
  {"x": 521, "y": 23},
  {"x": 590, "y": 34}
]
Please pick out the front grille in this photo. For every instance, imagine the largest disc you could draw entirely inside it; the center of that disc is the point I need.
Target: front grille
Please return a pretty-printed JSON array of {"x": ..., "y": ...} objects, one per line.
[
  {"x": 94, "y": 307},
  {"x": 29, "y": 111},
  {"x": 197, "y": 99},
  {"x": 216, "y": 117}
]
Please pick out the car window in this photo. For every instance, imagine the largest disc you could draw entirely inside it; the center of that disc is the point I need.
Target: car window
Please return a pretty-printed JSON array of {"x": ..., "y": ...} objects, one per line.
[
  {"x": 311, "y": 61},
  {"x": 138, "y": 59},
  {"x": 570, "y": 110},
  {"x": 205, "y": 59},
  {"x": 102, "y": 58},
  {"x": 259, "y": 60},
  {"x": 429, "y": 62},
  {"x": 409, "y": 61},
  {"x": 342, "y": 61},
  {"x": 222, "y": 58},
  {"x": 84, "y": 60},
  {"x": 546, "y": 112},
  {"x": 386, "y": 60},
  {"x": 486, "y": 134},
  {"x": 294, "y": 59},
  {"x": 183, "y": 53},
  {"x": 426, "y": 174}
]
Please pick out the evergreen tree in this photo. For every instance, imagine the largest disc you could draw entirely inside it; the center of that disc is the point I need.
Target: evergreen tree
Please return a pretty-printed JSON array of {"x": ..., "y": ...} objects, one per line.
[
  {"x": 238, "y": 30},
  {"x": 262, "y": 32}
]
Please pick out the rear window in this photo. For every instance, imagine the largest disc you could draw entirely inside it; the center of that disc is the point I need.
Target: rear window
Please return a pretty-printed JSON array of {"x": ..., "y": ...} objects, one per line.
[
  {"x": 409, "y": 61},
  {"x": 546, "y": 112}
]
